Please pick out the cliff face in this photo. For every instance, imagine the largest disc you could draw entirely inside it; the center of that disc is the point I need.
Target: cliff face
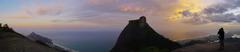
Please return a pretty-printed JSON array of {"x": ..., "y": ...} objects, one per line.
[
  {"x": 138, "y": 36},
  {"x": 12, "y": 41}
]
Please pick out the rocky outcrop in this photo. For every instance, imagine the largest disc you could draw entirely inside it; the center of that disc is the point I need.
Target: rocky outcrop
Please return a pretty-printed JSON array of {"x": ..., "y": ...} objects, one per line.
[{"x": 138, "y": 36}]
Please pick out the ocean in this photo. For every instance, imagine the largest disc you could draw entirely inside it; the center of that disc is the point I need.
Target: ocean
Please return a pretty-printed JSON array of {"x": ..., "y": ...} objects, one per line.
[{"x": 92, "y": 41}]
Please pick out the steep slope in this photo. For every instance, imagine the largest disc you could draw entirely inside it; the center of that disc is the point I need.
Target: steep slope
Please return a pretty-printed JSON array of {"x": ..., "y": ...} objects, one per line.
[
  {"x": 12, "y": 41},
  {"x": 138, "y": 36}
]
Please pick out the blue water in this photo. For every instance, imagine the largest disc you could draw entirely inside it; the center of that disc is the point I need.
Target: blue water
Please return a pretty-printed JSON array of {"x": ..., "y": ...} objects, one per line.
[{"x": 85, "y": 41}]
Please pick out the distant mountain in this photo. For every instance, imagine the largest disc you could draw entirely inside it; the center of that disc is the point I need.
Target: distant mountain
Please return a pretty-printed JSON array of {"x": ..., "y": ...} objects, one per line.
[
  {"x": 138, "y": 36},
  {"x": 12, "y": 41},
  {"x": 35, "y": 37},
  {"x": 48, "y": 42}
]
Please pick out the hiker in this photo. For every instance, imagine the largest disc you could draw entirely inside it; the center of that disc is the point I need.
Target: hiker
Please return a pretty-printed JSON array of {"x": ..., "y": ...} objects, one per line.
[{"x": 221, "y": 38}]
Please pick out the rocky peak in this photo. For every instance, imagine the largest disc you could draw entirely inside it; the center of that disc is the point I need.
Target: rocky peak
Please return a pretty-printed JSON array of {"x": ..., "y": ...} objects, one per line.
[
  {"x": 138, "y": 36},
  {"x": 33, "y": 33},
  {"x": 142, "y": 19}
]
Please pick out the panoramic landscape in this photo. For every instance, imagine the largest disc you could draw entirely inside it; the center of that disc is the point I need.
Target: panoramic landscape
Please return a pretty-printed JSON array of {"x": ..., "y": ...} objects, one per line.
[{"x": 119, "y": 25}]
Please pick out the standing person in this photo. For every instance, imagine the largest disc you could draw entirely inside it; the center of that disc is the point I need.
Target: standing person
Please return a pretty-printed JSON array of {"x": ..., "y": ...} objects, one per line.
[{"x": 221, "y": 38}]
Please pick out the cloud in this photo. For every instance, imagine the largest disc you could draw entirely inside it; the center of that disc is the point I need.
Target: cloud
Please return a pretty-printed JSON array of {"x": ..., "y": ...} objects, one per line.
[
  {"x": 41, "y": 10},
  {"x": 30, "y": 9},
  {"x": 133, "y": 7},
  {"x": 226, "y": 12},
  {"x": 103, "y": 11}
]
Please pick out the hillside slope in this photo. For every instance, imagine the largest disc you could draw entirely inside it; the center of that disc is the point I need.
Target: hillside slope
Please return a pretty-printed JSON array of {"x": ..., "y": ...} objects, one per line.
[{"x": 11, "y": 41}]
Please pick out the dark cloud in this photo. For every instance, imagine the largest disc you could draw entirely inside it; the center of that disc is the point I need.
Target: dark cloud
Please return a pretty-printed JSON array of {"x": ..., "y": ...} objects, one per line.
[
  {"x": 186, "y": 13},
  {"x": 215, "y": 9},
  {"x": 194, "y": 18},
  {"x": 223, "y": 18}
]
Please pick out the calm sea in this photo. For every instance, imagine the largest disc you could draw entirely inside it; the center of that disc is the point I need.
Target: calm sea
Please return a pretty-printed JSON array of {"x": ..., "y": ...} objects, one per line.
[{"x": 94, "y": 41}]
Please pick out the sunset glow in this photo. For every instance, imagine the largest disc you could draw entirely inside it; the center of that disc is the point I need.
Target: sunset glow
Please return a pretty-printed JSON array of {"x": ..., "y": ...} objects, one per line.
[{"x": 193, "y": 6}]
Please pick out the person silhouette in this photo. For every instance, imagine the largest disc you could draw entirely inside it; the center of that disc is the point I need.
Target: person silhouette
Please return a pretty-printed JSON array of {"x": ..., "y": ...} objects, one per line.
[{"x": 221, "y": 38}]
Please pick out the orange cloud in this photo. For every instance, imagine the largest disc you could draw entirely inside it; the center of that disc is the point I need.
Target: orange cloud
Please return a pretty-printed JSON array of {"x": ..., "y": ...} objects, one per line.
[
  {"x": 183, "y": 5},
  {"x": 192, "y": 6}
]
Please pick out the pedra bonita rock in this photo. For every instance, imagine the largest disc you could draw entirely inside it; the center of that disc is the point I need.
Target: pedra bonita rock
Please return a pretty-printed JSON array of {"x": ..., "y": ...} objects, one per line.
[{"x": 138, "y": 36}]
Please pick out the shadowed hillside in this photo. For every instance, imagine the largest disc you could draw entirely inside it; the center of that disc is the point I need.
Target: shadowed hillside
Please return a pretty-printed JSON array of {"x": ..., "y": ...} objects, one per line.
[
  {"x": 12, "y": 41},
  {"x": 138, "y": 36}
]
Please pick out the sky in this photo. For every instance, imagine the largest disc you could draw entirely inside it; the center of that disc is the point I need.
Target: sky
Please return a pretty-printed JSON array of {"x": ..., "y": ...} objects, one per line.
[{"x": 173, "y": 18}]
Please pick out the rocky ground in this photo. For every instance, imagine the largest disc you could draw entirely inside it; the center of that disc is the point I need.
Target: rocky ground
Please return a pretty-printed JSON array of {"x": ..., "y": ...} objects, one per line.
[{"x": 231, "y": 45}]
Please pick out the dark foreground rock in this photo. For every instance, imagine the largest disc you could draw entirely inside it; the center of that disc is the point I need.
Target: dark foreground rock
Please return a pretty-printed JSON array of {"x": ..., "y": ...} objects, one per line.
[
  {"x": 11, "y": 41},
  {"x": 138, "y": 36}
]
